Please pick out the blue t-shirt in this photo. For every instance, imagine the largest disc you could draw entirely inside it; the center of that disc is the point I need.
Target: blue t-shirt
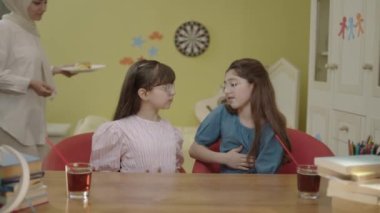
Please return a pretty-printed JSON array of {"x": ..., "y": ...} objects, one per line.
[{"x": 226, "y": 126}]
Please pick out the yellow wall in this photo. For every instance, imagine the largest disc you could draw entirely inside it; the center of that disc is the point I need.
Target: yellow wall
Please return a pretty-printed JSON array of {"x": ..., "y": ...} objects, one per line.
[{"x": 101, "y": 32}]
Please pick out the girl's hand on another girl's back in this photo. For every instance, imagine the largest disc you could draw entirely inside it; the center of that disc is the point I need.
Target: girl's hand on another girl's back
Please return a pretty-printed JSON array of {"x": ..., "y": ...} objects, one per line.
[{"x": 235, "y": 160}]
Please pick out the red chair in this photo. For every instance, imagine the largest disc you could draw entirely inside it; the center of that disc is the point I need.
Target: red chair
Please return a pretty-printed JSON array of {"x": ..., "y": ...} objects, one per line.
[
  {"x": 76, "y": 148},
  {"x": 202, "y": 167},
  {"x": 304, "y": 149}
]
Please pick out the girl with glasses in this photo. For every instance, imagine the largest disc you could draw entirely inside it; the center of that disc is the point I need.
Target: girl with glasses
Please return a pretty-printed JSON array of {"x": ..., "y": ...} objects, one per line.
[
  {"x": 138, "y": 139},
  {"x": 246, "y": 123}
]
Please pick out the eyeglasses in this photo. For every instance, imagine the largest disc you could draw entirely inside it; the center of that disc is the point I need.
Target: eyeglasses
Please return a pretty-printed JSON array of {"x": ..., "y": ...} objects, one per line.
[
  {"x": 230, "y": 85},
  {"x": 169, "y": 88}
]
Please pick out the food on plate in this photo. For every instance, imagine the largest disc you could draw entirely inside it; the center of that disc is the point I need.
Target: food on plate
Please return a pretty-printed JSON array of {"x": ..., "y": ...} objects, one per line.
[{"x": 83, "y": 65}]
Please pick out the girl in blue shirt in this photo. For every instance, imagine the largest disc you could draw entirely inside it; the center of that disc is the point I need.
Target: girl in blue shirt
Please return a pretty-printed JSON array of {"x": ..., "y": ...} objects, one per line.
[{"x": 246, "y": 124}]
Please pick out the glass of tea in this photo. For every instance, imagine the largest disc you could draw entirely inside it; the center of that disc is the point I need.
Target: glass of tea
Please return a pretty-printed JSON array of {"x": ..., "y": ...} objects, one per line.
[
  {"x": 308, "y": 181},
  {"x": 78, "y": 180}
]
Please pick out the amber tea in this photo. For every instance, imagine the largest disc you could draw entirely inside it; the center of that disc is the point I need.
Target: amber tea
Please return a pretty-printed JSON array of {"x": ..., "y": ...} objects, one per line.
[
  {"x": 78, "y": 180},
  {"x": 308, "y": 181}
]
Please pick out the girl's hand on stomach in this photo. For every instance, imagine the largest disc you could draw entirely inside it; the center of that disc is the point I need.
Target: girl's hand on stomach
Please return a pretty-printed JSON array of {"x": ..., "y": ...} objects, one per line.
[{"x": 235, "y": 160}]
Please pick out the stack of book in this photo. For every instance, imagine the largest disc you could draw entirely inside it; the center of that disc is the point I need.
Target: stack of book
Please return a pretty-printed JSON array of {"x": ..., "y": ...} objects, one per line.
[
  {"x": 10, "y": 174},
  {"x": 352, "y": 178}
]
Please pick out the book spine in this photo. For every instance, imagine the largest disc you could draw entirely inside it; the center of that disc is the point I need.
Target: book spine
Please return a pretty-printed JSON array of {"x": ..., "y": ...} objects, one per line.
[
  {"x": 16, "y": 179},
  {"x": 333, "y": 191}
]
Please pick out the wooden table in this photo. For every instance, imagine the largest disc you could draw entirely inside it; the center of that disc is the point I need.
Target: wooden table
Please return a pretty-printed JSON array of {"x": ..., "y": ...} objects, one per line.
[{"x": 116, "y": 192}]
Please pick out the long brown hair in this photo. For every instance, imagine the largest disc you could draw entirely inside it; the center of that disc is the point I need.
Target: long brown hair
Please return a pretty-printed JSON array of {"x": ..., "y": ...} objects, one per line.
[
  {"x": 263, "y": 102},
  {"x": 142, "y": 74}
]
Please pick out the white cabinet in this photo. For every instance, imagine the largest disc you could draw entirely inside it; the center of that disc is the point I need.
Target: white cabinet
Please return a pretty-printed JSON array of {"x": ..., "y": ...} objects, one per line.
[{"x": 344, "y": 80}]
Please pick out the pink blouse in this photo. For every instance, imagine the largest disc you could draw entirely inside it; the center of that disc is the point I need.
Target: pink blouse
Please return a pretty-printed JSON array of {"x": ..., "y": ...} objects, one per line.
[{"x": 134, "y": 144}]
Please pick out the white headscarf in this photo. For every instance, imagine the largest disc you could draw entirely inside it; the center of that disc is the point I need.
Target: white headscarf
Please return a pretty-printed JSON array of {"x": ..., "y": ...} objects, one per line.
[{"x": 19, "y": 14}]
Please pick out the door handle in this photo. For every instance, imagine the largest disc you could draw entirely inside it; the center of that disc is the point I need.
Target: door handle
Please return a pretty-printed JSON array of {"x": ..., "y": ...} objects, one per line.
[
  {"x": 367, "y": 66},
  {"x": 344, "y": 128},
  {"x": 331, "y": 66}
]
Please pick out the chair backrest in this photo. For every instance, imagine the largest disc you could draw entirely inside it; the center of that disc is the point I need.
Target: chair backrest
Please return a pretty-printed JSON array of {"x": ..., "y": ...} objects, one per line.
[
  {"x": 202, "y": 167},
  {"x": 89, "y": 124},
  {"x": 304, "y": 149},
  {"x": 76, "y": 148}
]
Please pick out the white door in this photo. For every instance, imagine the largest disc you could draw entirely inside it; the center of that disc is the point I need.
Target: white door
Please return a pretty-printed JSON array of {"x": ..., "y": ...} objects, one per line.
[
  {"x": 320, "y": 77},
  {"x": 341, "y": 100},
  {"x": 347, "y": 54},
  {"x": 347, "y": 51},
  {"x": 372, "y": 67}
]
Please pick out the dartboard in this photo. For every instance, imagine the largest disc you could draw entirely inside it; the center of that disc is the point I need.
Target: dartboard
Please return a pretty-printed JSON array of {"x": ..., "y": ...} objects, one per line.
[{"x": 191, "y": 38}]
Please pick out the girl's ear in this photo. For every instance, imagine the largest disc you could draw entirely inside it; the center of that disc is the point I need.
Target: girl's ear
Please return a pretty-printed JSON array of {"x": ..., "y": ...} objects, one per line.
[
  {"x": 253, "y": 87},
  {"x": 143, "y": 94}
]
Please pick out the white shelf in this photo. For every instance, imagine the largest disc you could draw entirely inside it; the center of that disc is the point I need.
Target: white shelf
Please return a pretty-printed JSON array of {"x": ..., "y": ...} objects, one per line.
[{"x": 57, "y": 129}]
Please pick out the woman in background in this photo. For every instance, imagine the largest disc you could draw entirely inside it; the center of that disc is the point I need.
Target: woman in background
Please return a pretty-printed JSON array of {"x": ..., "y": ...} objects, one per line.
[
  {"x": 246, "y": 124},
  {"x": 26, "y": 78},
  {"x": 138, "y": 140}
]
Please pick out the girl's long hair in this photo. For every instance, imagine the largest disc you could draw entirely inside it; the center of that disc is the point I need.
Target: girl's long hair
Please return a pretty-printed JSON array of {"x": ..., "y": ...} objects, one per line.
[
  {"x": 144, "y": 74},
  {"x": 263, "y": 102}
]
